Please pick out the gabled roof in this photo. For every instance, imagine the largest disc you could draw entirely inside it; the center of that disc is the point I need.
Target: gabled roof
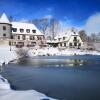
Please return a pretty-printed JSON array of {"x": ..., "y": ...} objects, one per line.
[{"x": 4, "y": 19}]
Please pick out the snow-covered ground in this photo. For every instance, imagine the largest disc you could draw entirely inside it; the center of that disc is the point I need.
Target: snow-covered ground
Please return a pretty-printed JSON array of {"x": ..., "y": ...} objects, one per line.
[
  {"x": 6, "y": 93},
  {"x": 8, "y": 54},
  {"x": 55, "y": 51}
]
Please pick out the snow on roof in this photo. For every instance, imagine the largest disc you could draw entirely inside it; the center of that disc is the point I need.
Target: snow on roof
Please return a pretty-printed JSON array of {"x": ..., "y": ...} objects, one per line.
[
  {"x": 4, "y": 19},
  {"x": 23, "y": 25},
  {"x": 67, "y": 34}
]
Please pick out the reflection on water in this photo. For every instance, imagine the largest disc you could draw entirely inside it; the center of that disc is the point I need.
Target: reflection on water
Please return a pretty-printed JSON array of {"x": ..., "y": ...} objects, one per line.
[
  {"x": 54, "y": 62},
  {"x": 64, "y": 78}
]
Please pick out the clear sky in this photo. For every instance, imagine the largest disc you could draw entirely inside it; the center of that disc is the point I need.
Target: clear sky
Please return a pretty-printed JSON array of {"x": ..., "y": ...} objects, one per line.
[{"x": 70, "y": 12}]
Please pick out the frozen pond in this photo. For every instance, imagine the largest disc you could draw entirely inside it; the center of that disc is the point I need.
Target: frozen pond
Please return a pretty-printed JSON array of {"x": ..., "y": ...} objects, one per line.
[{"x": 64, "y": 78}]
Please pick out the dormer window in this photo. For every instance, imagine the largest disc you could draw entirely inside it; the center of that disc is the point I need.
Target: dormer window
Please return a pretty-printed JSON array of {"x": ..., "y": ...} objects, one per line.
[
  {"x": 74, "y": 32},
  {"x": 59, "y": 39},
  {"x": 21, "y": 30},
  {"x": 4, "y": 27},
  {"x": 28, "y": 30},
  {"x": 63, "y": 38},
  {"x": 34, "y": 31},
  {"x": 14, "y": 29}
]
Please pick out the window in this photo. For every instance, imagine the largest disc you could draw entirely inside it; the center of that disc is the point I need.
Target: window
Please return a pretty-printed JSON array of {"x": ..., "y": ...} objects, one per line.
[
  {"x": 70, "y": 44},
  {"x": 59, "y": 39},
  {"x": 38, "y": 38},
  {"x": 79, "y": 44},
  {"x": 64, "y": 44},
  {"x": 75, "y": 38},
  {"x": 18, "y": 37},
  {"x": 32, "y": 38},
  {"x": 14, "y": 29},
  {"x": 23, "y": 37},
  {"x": 28, "y": 30},
  {"x": 10, "y": 43},
  {"x": 34, "y": 31},
  {"x": 61, "y": 44},
  {"x": 74, "y": 32},
  {"x": 21, "y": 30},
  {"x": 75, "y": 44},
  {"x": 4, "y": 27},
  {"x": 4, "y": 35},
  {"x": 63, "y": 38},
  {"x": 33, "y": 43}
]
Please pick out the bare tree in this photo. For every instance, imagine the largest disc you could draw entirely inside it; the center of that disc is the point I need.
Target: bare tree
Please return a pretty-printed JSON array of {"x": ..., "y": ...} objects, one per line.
[
  {"x": 93, "y": 37},
  {"x": 49, "y": 26},
  {"x": 22, "y": 52},
  {"x": 54, "y": 27},
  {"x": 42, "y": 24},
  {"x": 83, "y": 35}
]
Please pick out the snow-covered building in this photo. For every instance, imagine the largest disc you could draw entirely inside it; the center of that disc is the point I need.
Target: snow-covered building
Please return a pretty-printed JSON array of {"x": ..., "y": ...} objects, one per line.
[
  {"x": 20, "y": 33},
  {"x": 68, "y": 39}
]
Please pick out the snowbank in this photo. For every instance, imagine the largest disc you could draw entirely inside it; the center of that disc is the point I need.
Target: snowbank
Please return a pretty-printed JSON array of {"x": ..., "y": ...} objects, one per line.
[
  {"x": 6, "y": 93},
  {"x": 55, "y": 51},
  {"x": 7, "y": 54},
  {"x": 23, "y": 95},
  {"x": 43, "y": 51},
  {"x": 4, "y": 85}
]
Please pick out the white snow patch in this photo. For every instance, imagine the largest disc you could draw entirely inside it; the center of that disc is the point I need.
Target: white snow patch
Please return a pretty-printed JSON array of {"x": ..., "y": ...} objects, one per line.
[
  {"x": 6, "y": 55},
  {"x": 50, "y": 51},
  {"x": 6, "y": 93}
]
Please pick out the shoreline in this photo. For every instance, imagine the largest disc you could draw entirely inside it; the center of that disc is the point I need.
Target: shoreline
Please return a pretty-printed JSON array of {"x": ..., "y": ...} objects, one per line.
[
  {"x": 6, "y": 93},
  {"x": 11, "y": 56}
]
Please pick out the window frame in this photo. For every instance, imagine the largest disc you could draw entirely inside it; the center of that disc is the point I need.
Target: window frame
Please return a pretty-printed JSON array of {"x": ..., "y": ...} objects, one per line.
[
  {"x": 14, "y": 29},
  {"x": 34, "y": 31},
  {"x": 28, "y": 30},
  {"x": 4, "y": 28},
  {"x": 18, "y": 37},
  {"x": 4, "y": 35},
  {"x": 21, "y": 30}
]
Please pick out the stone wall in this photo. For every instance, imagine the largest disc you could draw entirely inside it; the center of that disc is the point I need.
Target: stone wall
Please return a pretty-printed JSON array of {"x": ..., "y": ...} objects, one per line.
[{"x": 7, "y": 31}]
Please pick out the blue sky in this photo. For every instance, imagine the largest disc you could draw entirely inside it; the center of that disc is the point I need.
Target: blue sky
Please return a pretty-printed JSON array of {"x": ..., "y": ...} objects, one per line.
[{"x": 74, "y": 12}]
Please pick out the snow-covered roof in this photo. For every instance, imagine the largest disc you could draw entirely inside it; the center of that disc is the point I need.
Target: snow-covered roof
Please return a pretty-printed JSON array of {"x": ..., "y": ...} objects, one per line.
[
  {"x": 23, "y": 25},
  {"x": 67, "y": 34},
  {"x": 4, "y": 19}
]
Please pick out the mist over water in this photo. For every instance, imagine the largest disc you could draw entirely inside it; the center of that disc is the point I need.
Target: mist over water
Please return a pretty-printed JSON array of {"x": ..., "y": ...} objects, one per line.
[{"x": 64, "y": 78}]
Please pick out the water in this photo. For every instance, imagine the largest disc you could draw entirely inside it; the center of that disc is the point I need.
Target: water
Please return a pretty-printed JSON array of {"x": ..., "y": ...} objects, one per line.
[{"x": 64, "y": 78}]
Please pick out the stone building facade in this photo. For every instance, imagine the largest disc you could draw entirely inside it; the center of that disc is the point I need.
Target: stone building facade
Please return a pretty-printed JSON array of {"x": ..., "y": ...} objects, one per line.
[{"x": 20, "y": 34}]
